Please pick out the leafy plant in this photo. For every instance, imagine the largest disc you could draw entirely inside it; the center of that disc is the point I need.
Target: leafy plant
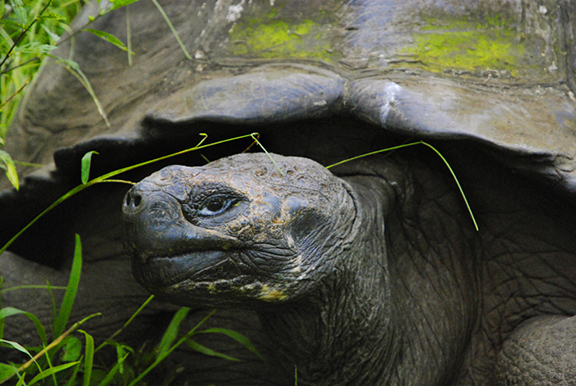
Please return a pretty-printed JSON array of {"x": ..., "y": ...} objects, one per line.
[
  {"x": 31, "y": 30},
  {"x": 62, "y": 360},
  {"x": 68, "y": 361}
]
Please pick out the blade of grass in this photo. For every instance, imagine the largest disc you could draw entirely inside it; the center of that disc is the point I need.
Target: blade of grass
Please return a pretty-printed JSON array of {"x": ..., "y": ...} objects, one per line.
[
  {"x": 268, "y": 154},
  {"x": 373, "y": 153},
  {"x": 51, "y": 371},
  {"x": 1, "y": 305},
  {"x": 56, "y": 342},
  {"x": 72, "y": 380},
  {"x": 79, "y": 74},
  {"x": 20, "y": 348},
  {"x": 437, "y": 153},
  {"x": 106, "y": 176},
  {"x": 31, "y": 287},
  {"x": 172, "y": 331},
  {"x": 296, "y": 375},
  {"x": 88, "y": 358},
  {"x": 129, "y": 37},
  {"x": 206, "y": 351},
  {"x": 110, "y": 376},
  {"x": 457, "y": 182},
  {"x": 236, "y": 336},
  {"x": 174, "y": 32},
  {"x": 127, "y": 322},
  {"x": 49, "y": 362},
  {"x": 71, "y": 290},
  {"x": 160, "y": 359},
  {"x": 109, "y": 38},
  {"x": 10, "y": 311}
]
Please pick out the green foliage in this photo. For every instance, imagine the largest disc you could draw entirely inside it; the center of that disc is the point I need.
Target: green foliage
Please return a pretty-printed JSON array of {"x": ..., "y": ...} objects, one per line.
[
  {"x": 29, "y": 30},
  {"x": 85, "y": 166},
  {"x": 63, "y": 360},
  {"x": 244, "y": 341},
  {"x": 121, "y": 3},
  {"x": 109, "y": 38},
  {"x": 67, "y": 359},
  {"x": 70, "y": 294},
  {"x": 172, "y": 29},
  {"x": 7, "y": 164}
]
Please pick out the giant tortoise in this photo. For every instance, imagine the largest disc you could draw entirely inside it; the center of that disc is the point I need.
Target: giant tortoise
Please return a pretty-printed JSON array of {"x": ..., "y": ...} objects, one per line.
[{"x": 367, "y": 273}]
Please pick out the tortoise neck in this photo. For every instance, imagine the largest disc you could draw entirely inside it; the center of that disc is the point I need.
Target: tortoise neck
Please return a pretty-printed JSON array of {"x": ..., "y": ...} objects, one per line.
[{"x": 343, "y": 332}]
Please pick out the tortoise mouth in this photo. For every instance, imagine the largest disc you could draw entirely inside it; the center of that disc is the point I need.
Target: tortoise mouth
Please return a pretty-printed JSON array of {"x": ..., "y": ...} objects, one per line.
[{"x": 160, "y": 272}]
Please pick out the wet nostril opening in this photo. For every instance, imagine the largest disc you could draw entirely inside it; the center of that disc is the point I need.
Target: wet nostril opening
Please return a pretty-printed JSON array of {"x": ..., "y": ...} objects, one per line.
[{"x": 133, "y": 200}]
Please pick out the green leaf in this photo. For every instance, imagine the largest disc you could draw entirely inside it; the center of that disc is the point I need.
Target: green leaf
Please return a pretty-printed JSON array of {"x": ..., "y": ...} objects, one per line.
[
  {"x": 53, "y": 16},
  {"x": 11, "y": 25},
  {"x": 68, "y": 62},
  {"x": 237, "y": 337},
  {"x": 108, "y": 37},
  {"x": 121, "y": 3},
  {"x": 17, "y": 346},
  {"x": 7, "y": 163},
  {"x": 88, "y": 358},
  {"x": 52, "y": 35},
  {"x": 117, "y": 367},
  {"x": 50, "y": 371},
  {"x": 20, "y": 11},
  {"x": 72, "y": 380},
  {"x": 206, "y": 351},
  {"x": 35, "y": 48},
  {"x": 72, "y": 349},
  {"x": 172, "y": 331},
  {"x": 77, "y": 72},
  {"x": 10, "y": 311},
  {"x": 122, "y": 352},
  {"x": 71, "y": 289},
  {"x": 85, "y": 166},
  {"x": 6, "y": 371}
]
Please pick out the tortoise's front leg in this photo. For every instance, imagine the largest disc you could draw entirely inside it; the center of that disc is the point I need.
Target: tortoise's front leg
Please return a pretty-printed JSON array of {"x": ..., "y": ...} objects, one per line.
[{"x": 542, "y": 351}]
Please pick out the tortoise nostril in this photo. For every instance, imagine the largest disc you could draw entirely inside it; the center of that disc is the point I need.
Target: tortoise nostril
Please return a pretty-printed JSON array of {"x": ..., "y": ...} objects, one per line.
[
  {"x": 137, "y": 200},
  {"x": 133, "y": 199}
]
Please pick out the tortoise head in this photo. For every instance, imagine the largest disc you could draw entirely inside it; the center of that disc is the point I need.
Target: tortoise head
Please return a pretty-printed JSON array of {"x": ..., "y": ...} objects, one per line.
[{"x": 237, "y": 231}]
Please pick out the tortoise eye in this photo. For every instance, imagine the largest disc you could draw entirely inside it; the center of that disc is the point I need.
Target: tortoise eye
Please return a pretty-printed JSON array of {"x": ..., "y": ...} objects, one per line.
[{"x": 216, "y": 205}]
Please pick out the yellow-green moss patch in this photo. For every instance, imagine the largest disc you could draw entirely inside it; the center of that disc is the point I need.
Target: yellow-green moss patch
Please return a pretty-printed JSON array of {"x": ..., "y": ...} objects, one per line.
[
  {"x": 467, "y": 45},
  {"x": 270, "y": 37}
]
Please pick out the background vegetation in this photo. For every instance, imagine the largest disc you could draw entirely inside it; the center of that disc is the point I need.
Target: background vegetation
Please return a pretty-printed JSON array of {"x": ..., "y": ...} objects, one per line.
[{"x": 30, "y": 32}]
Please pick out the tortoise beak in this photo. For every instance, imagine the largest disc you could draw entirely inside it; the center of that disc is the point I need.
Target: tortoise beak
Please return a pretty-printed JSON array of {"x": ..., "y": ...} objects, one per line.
[{"x": 155, "y": 227}]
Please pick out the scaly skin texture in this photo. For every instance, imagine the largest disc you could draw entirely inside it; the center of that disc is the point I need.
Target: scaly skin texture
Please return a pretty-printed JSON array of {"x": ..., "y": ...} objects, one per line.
[
  {"x": 307, "y": 251},
  {"x": 375, "y": 278},
  {"x": 271, "y": 233}
]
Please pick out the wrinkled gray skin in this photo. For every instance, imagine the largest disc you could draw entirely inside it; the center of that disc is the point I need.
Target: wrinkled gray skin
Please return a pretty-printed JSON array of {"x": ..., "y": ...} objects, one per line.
[
  {"x": 405, "y": 292},
  {"x": 374, "y": 278}
]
